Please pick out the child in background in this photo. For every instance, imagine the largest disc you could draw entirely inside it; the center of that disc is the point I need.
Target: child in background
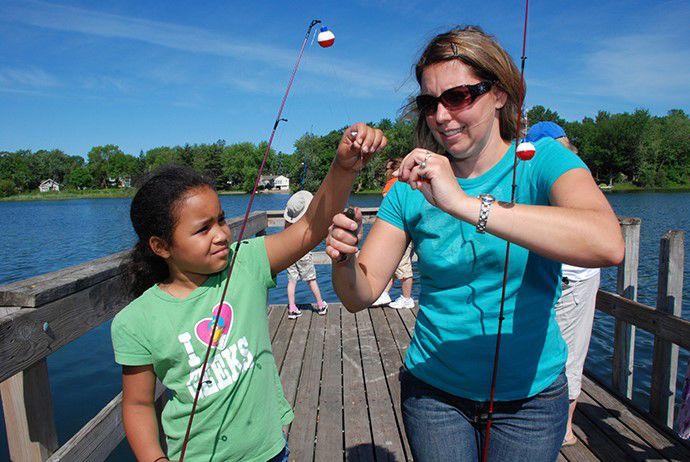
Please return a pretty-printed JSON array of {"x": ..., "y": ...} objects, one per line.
[
  {"x": 304, "y": 267},
  {"x": 177, "y": 271}
]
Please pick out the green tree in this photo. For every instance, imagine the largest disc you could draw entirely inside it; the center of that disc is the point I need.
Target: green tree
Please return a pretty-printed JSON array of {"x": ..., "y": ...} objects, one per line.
[
  {"x": 539, "y": 113},
  {"x": 80, "y": 178}
]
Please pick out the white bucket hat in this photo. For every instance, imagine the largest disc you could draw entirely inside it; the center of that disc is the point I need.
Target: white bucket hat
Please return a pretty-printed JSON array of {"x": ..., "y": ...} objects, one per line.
[{"x": 297, "y": 206}]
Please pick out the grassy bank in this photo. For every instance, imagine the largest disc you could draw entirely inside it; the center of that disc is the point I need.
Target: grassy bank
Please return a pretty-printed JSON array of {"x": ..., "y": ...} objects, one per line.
[
  {"x": 629, "y": 187},
  {"x": 71, "y": 194}
]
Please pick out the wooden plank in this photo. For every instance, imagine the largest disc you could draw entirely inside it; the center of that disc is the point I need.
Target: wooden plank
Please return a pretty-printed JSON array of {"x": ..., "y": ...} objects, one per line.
[
  {"x": 665, "y": 326},
  {"x": 408, "y": 319},
  {"x": 387, "y": 443},
  {"x": 626, "y": 439},
  {"x": 577, "y": 453},
  {"x": 28, "y": 409},
  {"x": 392, "y": 366},
  {"x": 595, "y": 440},
  {"x": 400, "y": 334},
  {"x": 43, "y": 289},
  {"x": 23, "y": 340},
  {"x": 329, "y": 430},
  {"x": 665, "y": 441},
  {"x": 669, "y": 300},
  {"x": 282, "y": 339},
  {"x": 97, "y": 439},
  {"x": 292, "y": 364},
  {"x": 626, "y": 286},
  {"x": 303, "y": 429},
  {"x": 275, "y": 318},
  {"x": 358, "y": 440}
]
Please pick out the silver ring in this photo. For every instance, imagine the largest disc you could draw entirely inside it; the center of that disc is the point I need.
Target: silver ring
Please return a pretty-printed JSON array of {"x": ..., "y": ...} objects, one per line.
[{"x": 422, "y": 165}]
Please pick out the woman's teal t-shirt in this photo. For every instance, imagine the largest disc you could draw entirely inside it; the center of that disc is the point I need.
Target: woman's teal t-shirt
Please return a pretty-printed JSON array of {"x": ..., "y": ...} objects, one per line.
[{"x": 461, "y": 273}]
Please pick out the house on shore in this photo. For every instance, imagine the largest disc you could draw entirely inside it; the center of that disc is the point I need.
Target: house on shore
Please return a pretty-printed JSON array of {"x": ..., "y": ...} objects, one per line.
[
  {"x": 281, "y": 183},
  {"x": 120, "y": 182},
  {"x": 49, "y": 185}
]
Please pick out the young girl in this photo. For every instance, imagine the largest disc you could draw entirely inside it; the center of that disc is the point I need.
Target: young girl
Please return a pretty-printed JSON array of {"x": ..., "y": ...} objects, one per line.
[{"x": 177, "y": 270}]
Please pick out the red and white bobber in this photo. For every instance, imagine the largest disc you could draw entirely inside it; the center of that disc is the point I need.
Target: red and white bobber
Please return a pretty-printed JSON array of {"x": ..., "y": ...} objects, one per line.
[
  {"x": 526, "y": 150},
  {"x": 326, "y": 37}
]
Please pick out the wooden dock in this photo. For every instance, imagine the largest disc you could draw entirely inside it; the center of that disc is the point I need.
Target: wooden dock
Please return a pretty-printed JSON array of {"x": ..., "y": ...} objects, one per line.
[{"x": 339, "y": 371}]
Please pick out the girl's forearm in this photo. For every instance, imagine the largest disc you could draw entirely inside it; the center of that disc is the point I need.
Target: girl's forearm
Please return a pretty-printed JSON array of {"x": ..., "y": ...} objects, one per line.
[
  {"x": 351, "y": 285},
  {"x": 141, "y": 428}
]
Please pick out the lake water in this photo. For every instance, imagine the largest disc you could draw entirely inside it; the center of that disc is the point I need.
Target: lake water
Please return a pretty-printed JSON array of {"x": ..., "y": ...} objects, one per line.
[{"x": 39, "y": 237}]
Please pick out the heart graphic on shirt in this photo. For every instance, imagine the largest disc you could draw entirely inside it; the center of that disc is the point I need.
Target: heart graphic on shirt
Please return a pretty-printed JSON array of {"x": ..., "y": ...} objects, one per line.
[{"x": 204, "y": 327}]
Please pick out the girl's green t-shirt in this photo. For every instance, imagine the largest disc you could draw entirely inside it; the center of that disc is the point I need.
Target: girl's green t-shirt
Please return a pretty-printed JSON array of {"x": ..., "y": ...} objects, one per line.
[{"x": 241, "y": 408}]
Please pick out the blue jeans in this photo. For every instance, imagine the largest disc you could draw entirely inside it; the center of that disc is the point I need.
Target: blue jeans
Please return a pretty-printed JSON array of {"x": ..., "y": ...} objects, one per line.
[
  {"x": 444, "y": 427},
  {"x": 282, "y": 456}
]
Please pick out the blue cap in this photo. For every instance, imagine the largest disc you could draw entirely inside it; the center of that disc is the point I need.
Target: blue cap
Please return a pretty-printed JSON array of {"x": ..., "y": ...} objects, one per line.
[{"x": 543, "y": 129}]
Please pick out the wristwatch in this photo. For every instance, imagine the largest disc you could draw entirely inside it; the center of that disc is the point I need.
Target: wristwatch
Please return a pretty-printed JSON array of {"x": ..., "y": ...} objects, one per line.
[{"x": 484, "y": 209}]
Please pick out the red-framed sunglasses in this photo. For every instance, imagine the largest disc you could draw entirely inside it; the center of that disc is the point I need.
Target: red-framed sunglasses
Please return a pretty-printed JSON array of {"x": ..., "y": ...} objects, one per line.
[{"x": 454, "y": 98}]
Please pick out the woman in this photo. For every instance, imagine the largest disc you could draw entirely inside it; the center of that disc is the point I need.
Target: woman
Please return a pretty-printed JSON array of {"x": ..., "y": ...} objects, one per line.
[{"x": 468, "y": 103}]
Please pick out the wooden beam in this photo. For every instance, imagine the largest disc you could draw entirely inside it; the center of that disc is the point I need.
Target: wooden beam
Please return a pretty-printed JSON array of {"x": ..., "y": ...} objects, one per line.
[
  {"x": 48, "y": 287},
  {"x": 663, "y": 325},
  {"x": 28, "y": 409},
  {"x": 624, "y": 334},
  {"x": 276, "y": 220},
  {"x": 97, "y": 439},
  {"x": 30, "y": 334},
  {"x": 669, "y": 300}
]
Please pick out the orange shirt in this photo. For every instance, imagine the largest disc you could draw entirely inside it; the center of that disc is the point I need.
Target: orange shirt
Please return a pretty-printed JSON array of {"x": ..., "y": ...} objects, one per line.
[{"x": 389, "y": 185}]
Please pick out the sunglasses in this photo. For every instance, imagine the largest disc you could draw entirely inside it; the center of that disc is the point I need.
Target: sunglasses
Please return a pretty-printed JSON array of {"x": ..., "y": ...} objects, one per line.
[{"x": 453, "y": 99}]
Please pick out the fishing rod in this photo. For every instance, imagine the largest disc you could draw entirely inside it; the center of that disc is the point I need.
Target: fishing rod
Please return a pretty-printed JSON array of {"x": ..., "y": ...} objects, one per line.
[
  {"x": 326, "y": 39},
  {"x": 523, "y": 151}
]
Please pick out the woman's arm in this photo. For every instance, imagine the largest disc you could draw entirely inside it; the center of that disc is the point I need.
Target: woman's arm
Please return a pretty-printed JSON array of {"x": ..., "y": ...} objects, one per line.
[
  {"x": 361, "y": 278},
  {"x": 139, "y": 413},
  {"x": 289, "y": 245},
  {"x": 580, "y": 227}
]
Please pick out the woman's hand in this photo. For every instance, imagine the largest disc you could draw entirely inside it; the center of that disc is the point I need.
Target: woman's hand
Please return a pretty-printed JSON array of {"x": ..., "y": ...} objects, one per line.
[
  {"x": 432, "y": 174},
  {"x": 344, "y": 236},
  {"x": 358, "y": 144}
]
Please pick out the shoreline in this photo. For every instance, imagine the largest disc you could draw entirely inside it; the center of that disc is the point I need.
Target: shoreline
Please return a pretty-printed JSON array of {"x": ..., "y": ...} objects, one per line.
[{"x": 129, "y": 192}]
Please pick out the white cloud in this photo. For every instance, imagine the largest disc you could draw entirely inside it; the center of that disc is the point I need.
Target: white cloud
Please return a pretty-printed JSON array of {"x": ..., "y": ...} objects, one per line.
[
  {"x": 26, "y": 79},
  {"x": 185, "y": 38}
]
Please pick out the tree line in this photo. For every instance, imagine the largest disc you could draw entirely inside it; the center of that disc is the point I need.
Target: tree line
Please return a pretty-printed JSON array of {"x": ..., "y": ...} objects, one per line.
[{"x": 639, "y": 148}]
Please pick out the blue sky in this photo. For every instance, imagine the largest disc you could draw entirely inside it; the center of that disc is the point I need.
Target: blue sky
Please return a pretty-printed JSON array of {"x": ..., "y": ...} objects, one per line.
[{"x": 141, "y": 74}]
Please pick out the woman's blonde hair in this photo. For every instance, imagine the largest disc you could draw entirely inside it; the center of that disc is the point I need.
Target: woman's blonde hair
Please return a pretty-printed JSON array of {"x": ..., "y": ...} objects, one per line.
[{"x": 488, "y": 60}]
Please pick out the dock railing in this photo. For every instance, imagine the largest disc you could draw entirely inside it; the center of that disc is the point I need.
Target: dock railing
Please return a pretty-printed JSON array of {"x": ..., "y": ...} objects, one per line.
[{"x": 41, "y": 314}]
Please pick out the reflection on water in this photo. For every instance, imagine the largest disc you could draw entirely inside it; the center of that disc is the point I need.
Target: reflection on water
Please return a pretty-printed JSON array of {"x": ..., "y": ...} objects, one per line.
[{"x": 39, "y": 237}]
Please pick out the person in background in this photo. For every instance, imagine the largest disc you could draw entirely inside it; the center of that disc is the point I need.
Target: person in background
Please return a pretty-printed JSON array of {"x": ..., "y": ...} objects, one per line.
[
  {"x": 404, "y": 270},
  {"x": 575, "y": 307},
  {"x": 304, "y": 267}
]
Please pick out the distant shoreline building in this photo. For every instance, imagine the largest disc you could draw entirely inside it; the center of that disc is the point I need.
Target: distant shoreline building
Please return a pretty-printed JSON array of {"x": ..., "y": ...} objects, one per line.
[
  {"x": 275, "y": 182},
  {"x": 49, "y": 185},
  {"x": 281, "y": 183}
]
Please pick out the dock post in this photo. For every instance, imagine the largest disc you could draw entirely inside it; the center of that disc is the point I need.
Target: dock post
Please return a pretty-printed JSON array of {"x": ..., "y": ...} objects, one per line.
[
  {"x": 669, "y": 300},
  {"x": 28, "y": 408},
  {"x": 626, "y": 286}
]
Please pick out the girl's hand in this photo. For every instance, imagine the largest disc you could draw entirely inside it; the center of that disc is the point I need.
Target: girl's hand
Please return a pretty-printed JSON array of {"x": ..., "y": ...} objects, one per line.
[
  {"x": 432, "y": 174},
  {"x": 343, "y": 236},
  {"x": 358, "y": 145}
]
